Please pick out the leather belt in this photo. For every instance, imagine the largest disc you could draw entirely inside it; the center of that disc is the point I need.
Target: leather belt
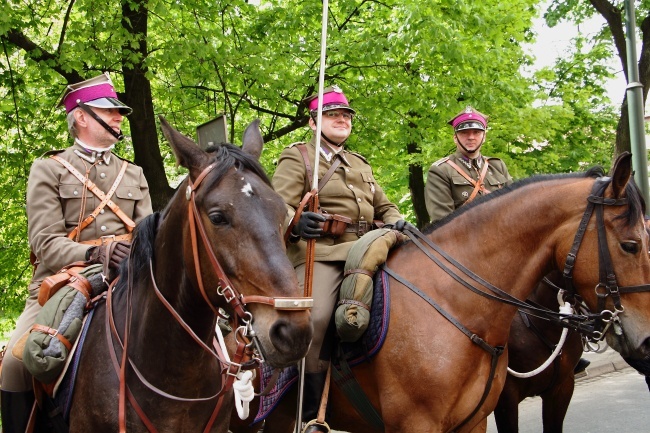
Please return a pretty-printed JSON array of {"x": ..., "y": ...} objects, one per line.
[
  {"x": 108, "y": 239},
  {"x": 360, "y": 228}
]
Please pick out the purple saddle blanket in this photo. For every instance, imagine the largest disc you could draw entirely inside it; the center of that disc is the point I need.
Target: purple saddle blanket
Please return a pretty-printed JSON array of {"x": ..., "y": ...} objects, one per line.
[{"x": 354, "y": 353}]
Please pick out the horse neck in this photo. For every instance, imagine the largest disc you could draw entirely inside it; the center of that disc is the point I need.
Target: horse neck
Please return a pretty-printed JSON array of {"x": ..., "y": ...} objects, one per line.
[
  {"x": 170, "y": 270},
  {"x": 511, "y": 241}
]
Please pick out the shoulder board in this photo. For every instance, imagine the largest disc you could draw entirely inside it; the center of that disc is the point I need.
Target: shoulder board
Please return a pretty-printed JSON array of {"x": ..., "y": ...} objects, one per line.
[
  {"x": 296, "y": 143},
  {"x": 441, "y": 161},
  {"x": 361, "y": 157},
  {"x": 51, "y": 152}
]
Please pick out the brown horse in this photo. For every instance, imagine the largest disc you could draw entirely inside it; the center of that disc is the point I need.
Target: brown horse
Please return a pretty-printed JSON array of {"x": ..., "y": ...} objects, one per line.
[
  {"x": 532, "y": 340},
  {"x": 443, "y": 362},
  {"x": 216, "y": 245}
]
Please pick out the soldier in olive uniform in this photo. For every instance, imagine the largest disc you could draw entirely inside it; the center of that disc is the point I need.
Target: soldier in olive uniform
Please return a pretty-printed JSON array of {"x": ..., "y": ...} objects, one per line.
[
  {"x": 67, "y": 221},
  {"x": 460, "y": 178},
  {"x": 350, "y": 190}
]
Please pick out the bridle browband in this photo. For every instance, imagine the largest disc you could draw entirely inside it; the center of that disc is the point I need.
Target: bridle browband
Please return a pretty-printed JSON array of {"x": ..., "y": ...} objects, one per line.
[{"x": 246, "y": 356}]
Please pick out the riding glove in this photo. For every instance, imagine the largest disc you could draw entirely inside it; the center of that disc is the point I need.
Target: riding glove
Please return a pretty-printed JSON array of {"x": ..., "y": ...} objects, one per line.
[{"x": 309, "y": 225}]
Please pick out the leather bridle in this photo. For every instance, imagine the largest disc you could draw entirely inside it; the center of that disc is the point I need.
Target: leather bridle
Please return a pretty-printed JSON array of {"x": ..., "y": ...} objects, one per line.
[
  {"x": 248, "y": 354},
  {"x": 607, "y": 285}
]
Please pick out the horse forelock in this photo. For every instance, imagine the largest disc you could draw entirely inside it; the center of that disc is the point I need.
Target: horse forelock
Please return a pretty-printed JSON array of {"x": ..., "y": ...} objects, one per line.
[
  {"x": 227, "y": 156},
  {"x": 593, "y": 172}
]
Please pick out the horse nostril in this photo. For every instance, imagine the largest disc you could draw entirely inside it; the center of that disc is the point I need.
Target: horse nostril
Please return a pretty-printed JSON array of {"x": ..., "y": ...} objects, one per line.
[{"x": 288, "y": 338}]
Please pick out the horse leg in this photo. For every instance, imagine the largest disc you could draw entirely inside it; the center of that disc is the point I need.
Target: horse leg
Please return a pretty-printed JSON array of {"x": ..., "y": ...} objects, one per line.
[
  {"x": 555, "y": 404},
  {"x": 506, "y": 413}
]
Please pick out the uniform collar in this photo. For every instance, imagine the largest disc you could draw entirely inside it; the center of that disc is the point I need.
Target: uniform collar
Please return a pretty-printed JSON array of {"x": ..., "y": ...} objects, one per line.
[
  {"x": 470, "y": 162},
  {"x": 329, "y": 153},
  {"x": 92, "y": 154}
]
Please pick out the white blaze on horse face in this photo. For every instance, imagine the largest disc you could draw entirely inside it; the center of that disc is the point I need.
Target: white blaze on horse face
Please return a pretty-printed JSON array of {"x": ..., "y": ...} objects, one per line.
[{"x": 247, "y": 189}]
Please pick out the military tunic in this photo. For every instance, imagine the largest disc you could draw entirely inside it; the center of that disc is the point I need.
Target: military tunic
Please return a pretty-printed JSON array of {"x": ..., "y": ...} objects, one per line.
[
  {"x": 352, "y": 192},
  {"x": 447, "y": 190},
  {"x": 54, "y": 201}
]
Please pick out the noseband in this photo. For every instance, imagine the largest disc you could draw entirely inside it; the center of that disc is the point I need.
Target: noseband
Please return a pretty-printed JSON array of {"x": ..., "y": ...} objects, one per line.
[{"x": 607, "y": 285}]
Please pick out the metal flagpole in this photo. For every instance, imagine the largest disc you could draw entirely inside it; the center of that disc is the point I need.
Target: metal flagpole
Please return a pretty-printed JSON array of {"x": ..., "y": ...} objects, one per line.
[{"x": 311, "y": 242}]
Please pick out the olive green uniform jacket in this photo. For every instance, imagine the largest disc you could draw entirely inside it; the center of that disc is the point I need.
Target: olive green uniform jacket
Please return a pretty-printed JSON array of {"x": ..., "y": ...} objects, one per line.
[
  {"x": 54, "y": 199},
  {"x": 447, "y": 190},
  {"x": 352, "y": 191},
  {"x": 54, "y": 205}
]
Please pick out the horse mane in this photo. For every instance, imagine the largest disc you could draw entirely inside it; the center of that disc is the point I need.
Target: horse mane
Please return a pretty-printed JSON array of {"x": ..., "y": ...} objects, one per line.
[{"x": 635, "y": 208}]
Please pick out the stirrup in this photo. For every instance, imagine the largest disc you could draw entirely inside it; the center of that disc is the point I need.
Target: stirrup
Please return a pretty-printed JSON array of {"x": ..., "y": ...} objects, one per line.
[{"x": 316, "y": 423}]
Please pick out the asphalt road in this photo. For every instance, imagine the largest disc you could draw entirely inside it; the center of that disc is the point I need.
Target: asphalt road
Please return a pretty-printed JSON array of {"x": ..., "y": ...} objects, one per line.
[{"x": 613, "y": 402}]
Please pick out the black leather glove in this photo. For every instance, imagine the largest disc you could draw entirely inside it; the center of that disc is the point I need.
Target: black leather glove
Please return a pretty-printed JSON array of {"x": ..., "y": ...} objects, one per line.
[
  {"x": 120, "y": 252},
  {"x": 401, "y": 225},
  {"x": 309, "y": 225}
]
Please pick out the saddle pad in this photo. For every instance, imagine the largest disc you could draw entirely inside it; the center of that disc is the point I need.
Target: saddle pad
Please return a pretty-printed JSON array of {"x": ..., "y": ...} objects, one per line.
[
  {"x": 65, "y": 387},
  {"x": 354, "y": 353}
]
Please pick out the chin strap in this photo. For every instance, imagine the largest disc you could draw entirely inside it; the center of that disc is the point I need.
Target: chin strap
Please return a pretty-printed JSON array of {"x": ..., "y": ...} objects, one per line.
[
  {"x": 99, "y": 120},
  {"x": 478, "y": 149}
]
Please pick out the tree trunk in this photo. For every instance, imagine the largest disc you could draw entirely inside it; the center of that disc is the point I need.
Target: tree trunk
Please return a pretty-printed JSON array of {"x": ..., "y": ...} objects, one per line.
[{"x": 138, "y": 96}]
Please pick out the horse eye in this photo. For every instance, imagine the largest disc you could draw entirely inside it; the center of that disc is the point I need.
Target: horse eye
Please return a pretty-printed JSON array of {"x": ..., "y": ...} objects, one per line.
[
  {"x": 630, "y": 247},
  {"x": 217, "y": 218}
]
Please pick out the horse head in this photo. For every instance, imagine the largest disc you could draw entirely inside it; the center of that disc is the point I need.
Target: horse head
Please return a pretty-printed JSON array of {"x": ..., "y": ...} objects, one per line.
[
  {"x": 611, "y": 269},
  {"x": 232, "y": 246}
]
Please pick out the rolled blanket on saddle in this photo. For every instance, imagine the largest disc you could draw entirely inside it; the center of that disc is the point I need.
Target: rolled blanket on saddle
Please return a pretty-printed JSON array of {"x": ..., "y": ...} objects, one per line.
[
  {"x": 58, "y": 324},
  {"x": 352, "y": 314}
]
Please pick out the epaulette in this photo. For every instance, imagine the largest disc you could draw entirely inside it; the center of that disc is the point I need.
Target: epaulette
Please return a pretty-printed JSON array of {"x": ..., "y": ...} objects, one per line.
[
  {"x": 296, "y": 143},
  {"x": 51, "y": 152},
  {"x": 359, "y": 156},
  {"x": 441, "y": 161}
]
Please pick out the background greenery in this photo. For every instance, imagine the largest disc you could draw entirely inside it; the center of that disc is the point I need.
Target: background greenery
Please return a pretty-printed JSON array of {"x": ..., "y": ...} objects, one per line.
[{"x": 407, "y": 66}]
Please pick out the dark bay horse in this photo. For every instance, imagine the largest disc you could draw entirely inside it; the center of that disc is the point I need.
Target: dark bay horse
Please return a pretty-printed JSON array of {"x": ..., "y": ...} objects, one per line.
[
  {"x": 443, "y": 363},
  {"x": 217, "y": 244},
  {"x": 531, "y": 342}
]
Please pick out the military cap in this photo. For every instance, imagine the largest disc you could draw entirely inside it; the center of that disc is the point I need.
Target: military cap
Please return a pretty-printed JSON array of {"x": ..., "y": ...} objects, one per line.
[
  {"x": 469, "y": 118},
  {"x": 96, "y": 92},
  {"x": 333, "y": 98}
]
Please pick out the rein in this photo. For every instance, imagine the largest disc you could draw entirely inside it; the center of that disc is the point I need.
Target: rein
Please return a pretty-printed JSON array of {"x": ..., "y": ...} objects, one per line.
[{"x": 247, "y": 356}]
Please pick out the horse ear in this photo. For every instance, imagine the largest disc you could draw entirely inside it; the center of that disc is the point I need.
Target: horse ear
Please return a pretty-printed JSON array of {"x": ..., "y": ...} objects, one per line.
[
  {"x": 621, "y": 173},
  {"x": 252, "y": 141},
  {"x": 188, "y": 153}
]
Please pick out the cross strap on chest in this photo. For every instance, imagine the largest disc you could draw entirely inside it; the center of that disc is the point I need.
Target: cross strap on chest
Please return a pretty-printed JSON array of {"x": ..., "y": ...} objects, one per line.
[
  {"x": 104, "y": 197},
  {"x": 479, "y": 185}
]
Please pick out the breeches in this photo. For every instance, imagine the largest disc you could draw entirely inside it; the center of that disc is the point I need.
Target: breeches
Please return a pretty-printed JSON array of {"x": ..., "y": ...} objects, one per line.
[
  {"x": 325, "y": 291},
  {"x": 15, "y": 377}
]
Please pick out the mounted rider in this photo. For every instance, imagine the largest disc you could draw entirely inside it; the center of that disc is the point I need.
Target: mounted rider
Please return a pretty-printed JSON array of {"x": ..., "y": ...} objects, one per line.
[
  {"x": 461, "y": 177},
  {"x": 79, "y": 200},
  {"x": 350, "y": 200}
]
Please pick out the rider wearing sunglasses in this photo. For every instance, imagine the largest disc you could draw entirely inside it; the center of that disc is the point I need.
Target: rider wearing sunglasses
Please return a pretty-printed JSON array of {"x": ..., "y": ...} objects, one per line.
[{"x": 349, "y": 195}]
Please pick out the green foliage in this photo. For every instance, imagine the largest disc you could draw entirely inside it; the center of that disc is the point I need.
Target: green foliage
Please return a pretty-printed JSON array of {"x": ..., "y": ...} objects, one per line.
[{"x": 406, "y": 66}]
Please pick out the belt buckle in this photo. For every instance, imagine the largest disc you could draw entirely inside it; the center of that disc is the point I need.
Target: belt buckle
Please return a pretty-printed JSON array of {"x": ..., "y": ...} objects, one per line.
[
  {"x": 107, "y": 239},
  {"x": 363, "y": 228}
]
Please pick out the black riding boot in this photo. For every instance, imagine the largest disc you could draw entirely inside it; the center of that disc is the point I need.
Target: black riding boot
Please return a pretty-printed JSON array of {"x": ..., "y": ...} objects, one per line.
[
  {"x": 314, "y": 384},
  {"x": 15, "y": 407}
]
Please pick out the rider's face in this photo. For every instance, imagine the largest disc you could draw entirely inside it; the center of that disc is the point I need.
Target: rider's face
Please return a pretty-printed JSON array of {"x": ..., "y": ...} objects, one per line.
[{"x": 471, "y": 140}]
